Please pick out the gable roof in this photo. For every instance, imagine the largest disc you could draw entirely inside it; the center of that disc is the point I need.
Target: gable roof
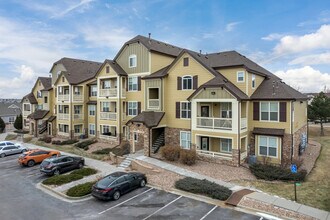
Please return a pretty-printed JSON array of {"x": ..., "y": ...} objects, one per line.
[
  {"x": 78, "y": 71},
  {"x": 38, "y": 114},
  {"x": 114, "y": 66},
  {"x": 153, "y": 45},
  {"x": 9, "y": 109},
  {"x": 149, "y": 119},
  {"x": 158, "y": 74},
  {"x": 46, "y": 82},
  {"x": 31, "y": 98},
  {"x": 274, "y": 89}
]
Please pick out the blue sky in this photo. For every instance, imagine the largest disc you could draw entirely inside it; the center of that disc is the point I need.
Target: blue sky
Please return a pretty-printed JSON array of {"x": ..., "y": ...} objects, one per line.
[{"x": 290, "y": 38}]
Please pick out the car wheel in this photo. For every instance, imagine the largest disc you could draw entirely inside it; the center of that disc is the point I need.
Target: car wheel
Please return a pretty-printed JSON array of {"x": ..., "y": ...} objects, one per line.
[
  {"x": 31, "y": 163},
  {"x": 80, "y": 165},
  {"x": 2, "y": 155},
  {"x": 56, "y": 172},
  {"x": 116, "y": 195},
  {"x": 143, "y": 183}
]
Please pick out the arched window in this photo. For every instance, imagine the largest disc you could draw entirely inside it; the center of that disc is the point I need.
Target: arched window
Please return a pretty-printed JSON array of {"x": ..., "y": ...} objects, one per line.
[
  {"x": 187, "y": 82},
  {"x": 132, "y": 61}
]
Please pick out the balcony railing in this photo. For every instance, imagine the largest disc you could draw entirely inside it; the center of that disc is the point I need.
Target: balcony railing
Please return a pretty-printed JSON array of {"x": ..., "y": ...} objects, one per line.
[
  {"x": 153, "y": 104},
  {"x": 78, "y": 116},
  {"x": 63, "y": 97},
  {"x": 243, "y": 155},
  {"x": 214, "y": 123},
  {"x": 108, "y": 115},
  {"x": 78, "y": 98},
  {"x": 108, "y": 92},
  {"x": 243, "y": 123},
  {"x": 62, "y": 116},
  {"x": 215, "y": 154}
]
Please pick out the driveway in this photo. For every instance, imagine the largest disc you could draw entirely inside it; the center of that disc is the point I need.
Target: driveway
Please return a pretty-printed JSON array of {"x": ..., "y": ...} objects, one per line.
[{"x": 20, "y": 199}]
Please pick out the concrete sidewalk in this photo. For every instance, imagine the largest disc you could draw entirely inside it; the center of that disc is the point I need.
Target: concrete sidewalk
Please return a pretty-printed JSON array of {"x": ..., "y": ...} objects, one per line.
[{"x": 257, "y": 195}]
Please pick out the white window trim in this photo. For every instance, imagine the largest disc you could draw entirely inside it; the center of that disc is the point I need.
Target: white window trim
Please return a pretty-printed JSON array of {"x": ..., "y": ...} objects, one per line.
[
  {"x": 192, "y": 82},
  {"x": 90, "y": 111},
  {"x": 253, "y": 79},
  {"x": 278, "y": 112},
  {"x": 185, "y": 110},
  {"x": 129, "y": 59},
  {"x": 277, "y": 147},
  {"x": 226, "y": 152},
  {"x": 82, "y": 128},
  {"x": 243, "y": 76},
  {"x": 128, "y": 103},
  {"x": 189, "y": 141},
  {"x": 137, "y": 84},
  {"x": 89, "y": 129}
]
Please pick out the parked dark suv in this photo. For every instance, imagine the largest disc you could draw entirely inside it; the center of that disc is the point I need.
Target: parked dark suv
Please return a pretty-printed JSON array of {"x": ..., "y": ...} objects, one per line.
[
  {"x": 117, "y": 184},
  {"x": 61, "y": 164}
]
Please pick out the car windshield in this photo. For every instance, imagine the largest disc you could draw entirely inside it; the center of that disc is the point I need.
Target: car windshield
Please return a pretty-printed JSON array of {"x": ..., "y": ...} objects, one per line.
[
  {"x": 104, "y": 183},
  {"x": 0, "y": 148},
  {"x": 45, "y": 163}
]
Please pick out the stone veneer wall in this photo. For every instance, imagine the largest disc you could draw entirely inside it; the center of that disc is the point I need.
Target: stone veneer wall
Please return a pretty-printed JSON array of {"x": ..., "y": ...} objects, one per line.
[
  {"x": 172, "y": 136},
  {"x": 143, "y": 137},
  {"x": 297, "y": 139}
]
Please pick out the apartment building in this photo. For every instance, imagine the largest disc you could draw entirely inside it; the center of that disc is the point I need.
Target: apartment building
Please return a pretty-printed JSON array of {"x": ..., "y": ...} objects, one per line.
[{"x": 222, "y": 105}]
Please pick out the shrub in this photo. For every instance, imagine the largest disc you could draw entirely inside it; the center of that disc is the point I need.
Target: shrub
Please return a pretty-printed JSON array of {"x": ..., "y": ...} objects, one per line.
[
  {"x": 62, "y": 179},
  {"x": 80, "y": 190},
  {"x": 2, "y": 125},
  {"x": 85, "y": 144},
  {"x": 271, "y": 172},
  {"x": 10, "y": 137},
  {"x": 21, "y": 131},
  {"x": 85, "y": 171},
  {"x": 103, "y": 151},
  {"x": 45, "y": 139},
  {"x": 27, "y": 139},
  {"x": 171, "y": 153},
  {"x": 188, "y": 157},
  {"x": 18, "y": 124},
  {"x": 56, "y": 142},
  {"x": 203, "y": 187},
  {"x": 66, "y": 142}
]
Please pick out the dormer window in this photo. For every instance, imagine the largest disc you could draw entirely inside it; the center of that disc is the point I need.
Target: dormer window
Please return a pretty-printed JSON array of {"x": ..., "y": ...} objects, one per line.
[
  {"x": 240, "y": 76},
  {"x": 132, "y": 61}
]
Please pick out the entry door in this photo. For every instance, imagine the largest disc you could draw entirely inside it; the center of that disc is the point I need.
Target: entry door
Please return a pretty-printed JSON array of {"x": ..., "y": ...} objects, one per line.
[
  {"x": 49, "y": 129},
  {"x": 205, "y": 111},
  {"x": 205, "y": 143}
]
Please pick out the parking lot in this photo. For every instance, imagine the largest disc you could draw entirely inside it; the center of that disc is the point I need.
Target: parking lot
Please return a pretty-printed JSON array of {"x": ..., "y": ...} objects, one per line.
[{"x": 20, "y": 199}]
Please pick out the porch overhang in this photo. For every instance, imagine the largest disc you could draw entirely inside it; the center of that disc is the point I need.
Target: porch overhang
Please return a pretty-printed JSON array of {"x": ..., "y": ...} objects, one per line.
[
  {"x": 269, "y": 131},
  {"x": 149, "y": 119},
  {"x": 39, "y": 114}
]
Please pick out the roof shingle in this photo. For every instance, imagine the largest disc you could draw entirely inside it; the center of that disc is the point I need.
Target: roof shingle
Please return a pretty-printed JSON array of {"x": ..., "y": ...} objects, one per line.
[{"x": 149, "y": 119}]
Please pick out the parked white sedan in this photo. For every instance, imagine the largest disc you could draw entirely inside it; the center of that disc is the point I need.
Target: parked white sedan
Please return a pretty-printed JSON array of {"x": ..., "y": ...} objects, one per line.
[{"x": 9, "y": 148}]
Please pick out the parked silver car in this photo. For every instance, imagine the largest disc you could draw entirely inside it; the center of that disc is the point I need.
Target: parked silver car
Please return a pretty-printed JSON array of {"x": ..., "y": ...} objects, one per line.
[{"x": 9, "y": 148}]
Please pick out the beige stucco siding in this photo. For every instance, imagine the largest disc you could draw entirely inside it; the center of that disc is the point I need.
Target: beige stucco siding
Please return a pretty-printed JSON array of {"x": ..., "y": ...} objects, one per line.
[
  {"x": 231, "y": 75},
  {"x": 214, "y": 93},
  {"x": 103, "y": 73},
  {"x": 300, "y": 115},
  {"x": 258, "y": 80},
  {"x": 173, "y": 95},
  {"x": 142, "y": 55},
  {"x": 215, "y": 134},
  {"x": 261, "y": 158},
  {"x": 159, "y": 61},
  {"x": 55, "y": 70}
]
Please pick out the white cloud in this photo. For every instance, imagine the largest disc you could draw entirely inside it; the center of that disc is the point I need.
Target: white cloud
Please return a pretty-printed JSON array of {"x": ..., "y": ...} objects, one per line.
[
  {"x": 231, "y": 26},
  {"x": 82, "y": 6},
  {"x": 272, "y": 37},
  {"x": 313, "y": 59},
  {"x": 305, "y": 78},
  {"x": 295, "y": 44}
]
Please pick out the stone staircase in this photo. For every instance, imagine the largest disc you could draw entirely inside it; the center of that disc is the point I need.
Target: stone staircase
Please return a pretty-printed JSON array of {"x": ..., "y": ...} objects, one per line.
[
  {"x": 160, "y": 141},
  {"x": 125, "y": 163},
  {"x": 43, "y": 127}
]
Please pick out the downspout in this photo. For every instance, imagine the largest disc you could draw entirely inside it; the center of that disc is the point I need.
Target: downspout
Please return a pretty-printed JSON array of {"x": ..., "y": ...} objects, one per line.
[
  {"x": 150, "y": 140},
  {"x": 307, "y": 122},
  {"x": 291, "y": 128},
  {"x": 119, "y": 109},
  {"x": 239, "y": 133}
]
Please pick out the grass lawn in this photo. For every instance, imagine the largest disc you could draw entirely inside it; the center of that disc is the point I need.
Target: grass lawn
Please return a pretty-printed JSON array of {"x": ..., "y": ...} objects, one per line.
[{"x": 315, "y": 191}]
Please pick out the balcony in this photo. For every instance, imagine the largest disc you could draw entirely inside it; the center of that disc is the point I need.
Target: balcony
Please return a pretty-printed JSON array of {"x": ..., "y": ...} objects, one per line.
[
  {"x": 108, "y": 92},
  {"x": 215, "y": 154},
  {"x": 78, "y": 98},
  {"x": 214, "y": 123},
  {"x": 78, "y": 116},
  {"x": 153, "y": 104},
  {"x": 108, "y": 116},
  {"x": 63, "y": 97},
  {"x": 243, "y": 123},
  {"x": 63, "y": 116}
]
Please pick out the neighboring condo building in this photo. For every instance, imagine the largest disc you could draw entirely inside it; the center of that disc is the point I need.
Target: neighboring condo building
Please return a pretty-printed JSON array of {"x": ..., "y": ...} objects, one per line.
[{"x": 222, "y": 105}]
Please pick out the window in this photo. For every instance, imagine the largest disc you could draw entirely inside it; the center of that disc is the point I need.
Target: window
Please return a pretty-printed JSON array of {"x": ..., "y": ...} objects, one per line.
[
  {"x": 185, "y": 110},
  {"x": 186, "y": 82},
  {"x": 63, "y": 128},
  {"x": 39, "y": 94},
  {"x": 63, "y": 79},
  {"x": 106, "y": 84},
  {"x": 132, "y": 83},
  {"x": 27, "y": 107},
  {"x": 105, "y": 130},
  {"x": 107, "y": 69},
  {"x": 39, "y": 83},
  {"x": 77, "y": 109},
  {"x": 60, "y": 90},
  {"x": 136, "y": 136},
  {"x": 11, "y": 119},
  {"x": 240, "y": 76},
  {"x": 268, "y": 146},
  {"x": 77, "y": 129},
  {"x": 132, "y": 61},
  {"x": 132, "y": 108},
  {"x": 186, "y": 61},
  {"x": 253, "y": 81},
  {"x": 46, "y": 99},
  {"x": 94, "y": 90},
  {"x": 91, "y": 110},
  {"x": 226, "y": 145},
  {"x": 76, "y": 90},
  {"x": 92, "y": 129},
  {"x": 225, "y": 110},
  {"x": 105, "y": 106},
  {"x": 185, "y": 139},
  {"x": 269, "y": 111}
]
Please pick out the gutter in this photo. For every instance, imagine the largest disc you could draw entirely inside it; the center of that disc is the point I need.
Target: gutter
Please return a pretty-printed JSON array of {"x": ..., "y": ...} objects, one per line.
[{"x": 239, "y": 133}]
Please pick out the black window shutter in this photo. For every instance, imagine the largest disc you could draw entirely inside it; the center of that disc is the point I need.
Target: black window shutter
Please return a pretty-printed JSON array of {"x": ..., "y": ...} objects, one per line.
[
  {"x": 126, "y": 108},
  {"x": 179, "y": 83},
  {"x": 139, "y": 107},
  {"x": 256, "y": 107},
  {"x": 186, "y": 61},
  {"x": 139, "y": 83},
  {"x": 195, "y": 82},
  {"x": 177, "y": 109},
  {"x": 282, "y": 111}
]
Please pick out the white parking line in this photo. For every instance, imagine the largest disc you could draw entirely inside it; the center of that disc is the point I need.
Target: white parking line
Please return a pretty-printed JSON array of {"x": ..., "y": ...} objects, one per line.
[
  {"x": 125, "y": 201},
  {"x": 162, "y": 208},
  {"x": 209, "y": 212}
]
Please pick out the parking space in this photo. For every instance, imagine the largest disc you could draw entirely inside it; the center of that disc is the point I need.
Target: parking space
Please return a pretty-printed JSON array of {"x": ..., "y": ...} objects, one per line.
[{"x": 18, "y": 189}]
